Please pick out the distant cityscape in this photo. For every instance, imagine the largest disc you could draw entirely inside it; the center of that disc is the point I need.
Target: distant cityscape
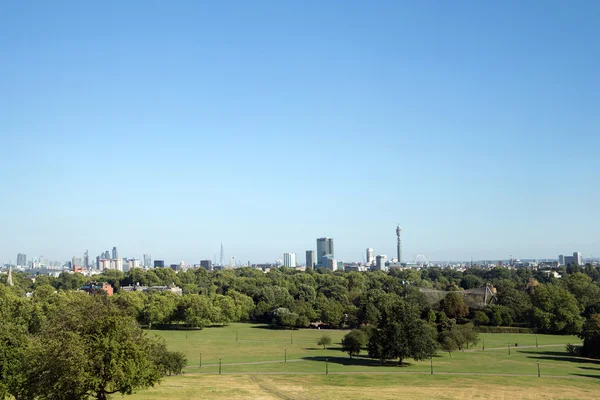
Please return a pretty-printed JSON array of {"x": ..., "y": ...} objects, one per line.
[{"x": 323, "y": 257}]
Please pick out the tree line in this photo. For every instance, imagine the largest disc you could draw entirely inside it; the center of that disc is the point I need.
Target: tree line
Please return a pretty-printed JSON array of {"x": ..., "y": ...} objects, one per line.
[{"x": 286, "y": 298}]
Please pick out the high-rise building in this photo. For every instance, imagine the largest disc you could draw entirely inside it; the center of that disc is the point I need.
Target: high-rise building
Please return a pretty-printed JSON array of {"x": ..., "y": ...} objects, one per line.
[
  {"x": 399, "y": 244},
  {"x": 289, "y": 260},
  {"x": 159, "y": 263},
  {"x": 115, "y": 253},
  {"x": 370, "y": 256},
  {"x": 147, "y": 261},
  {"x": 21, "y": 260},
  {"x": 106, "y": 255},
  {"x": 86, "y": 260},
  {"x": 324, "y": 247},
  {"x": 206, "y": 264},
  {"x": 103, "y": 264},
  {"x": 380, "y": 263},
  {"x": 331, "y": 264},
  {"x": 133, "y": 263},
  {"x": 561, "y": 259},
  {"x": 310, "y": 258},
  {"x": 577, "y": 258},
  {"x": 116, "y": 263}
]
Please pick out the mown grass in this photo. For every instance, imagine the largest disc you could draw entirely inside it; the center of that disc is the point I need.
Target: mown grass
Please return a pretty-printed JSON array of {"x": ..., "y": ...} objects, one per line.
[
  {"x": 250, "y": 362},
  {"x": 304, "y": 387}
]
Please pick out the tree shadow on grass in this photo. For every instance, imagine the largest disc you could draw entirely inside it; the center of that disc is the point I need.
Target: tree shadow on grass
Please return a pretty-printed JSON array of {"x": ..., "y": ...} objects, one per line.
[
  {"x": 321, "y": 348},
  {"x": 357, "y": 360},
  {"x": 588, "y": 376},
  {"x": 559, "y": 356},
  {"x": 590, "y": 368}
]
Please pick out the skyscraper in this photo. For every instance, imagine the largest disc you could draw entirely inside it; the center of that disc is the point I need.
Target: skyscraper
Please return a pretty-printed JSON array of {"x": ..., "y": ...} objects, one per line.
[
  {"x": 86, "y": 260},
  {"x": 324, "y": 247},
  {"x": 310, "y": 258},
  {"x": 21, "y": 260},
  {"x": 370, "y": 256},
  {"x": 115, "y": 253},
  {"x": 380, "y": 263},
  {"x": 147, "y": 261},
  {"x": 577, "y": 258},
  {"x": 289, "y": 260}
]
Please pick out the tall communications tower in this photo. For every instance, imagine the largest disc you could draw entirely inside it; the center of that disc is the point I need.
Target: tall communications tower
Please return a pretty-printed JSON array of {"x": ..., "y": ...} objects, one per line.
[{"x": 399, "y": 249}]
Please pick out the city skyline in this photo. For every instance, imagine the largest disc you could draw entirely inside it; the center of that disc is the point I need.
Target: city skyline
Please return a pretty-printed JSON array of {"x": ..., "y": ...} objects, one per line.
[{"x": 266, "y": 126}]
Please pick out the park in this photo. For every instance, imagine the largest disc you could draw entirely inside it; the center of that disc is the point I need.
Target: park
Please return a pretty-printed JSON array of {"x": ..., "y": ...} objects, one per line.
[{"x": 251, "y": 361}]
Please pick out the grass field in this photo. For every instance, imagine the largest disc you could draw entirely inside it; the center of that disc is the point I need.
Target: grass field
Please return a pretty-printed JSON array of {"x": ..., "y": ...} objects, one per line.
[{"x": 253, "y": 366}]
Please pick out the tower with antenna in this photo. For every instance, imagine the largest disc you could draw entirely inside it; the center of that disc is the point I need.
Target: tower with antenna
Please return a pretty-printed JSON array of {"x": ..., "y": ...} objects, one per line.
[
  {"x": 222, "y": 259},
  {"x": 399, "y": 246}
]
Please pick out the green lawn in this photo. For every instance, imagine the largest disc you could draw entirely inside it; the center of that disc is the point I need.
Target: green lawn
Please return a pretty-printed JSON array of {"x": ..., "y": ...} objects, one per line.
[{"x": 561, "y": 374}]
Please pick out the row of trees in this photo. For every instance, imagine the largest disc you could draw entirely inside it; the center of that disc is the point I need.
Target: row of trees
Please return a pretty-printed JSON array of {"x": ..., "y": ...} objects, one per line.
[
  {"x": 287, "y": 298},
  {"x": 70, "y": 345}
]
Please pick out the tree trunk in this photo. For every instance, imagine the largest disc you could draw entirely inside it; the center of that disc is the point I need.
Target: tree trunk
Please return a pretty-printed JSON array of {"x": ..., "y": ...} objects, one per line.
[
  {"x": 450, "y": 354},
  {"x": 400, "y": 362}
]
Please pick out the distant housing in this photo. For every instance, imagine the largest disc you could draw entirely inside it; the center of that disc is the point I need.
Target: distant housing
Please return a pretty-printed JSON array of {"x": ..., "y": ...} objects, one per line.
[
  {"x": 96, "y": 286},
  {"x": 137, "y": 287}
]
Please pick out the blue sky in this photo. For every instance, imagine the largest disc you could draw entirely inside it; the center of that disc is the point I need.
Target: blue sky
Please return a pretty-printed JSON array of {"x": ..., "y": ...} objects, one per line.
[{"x": 170, "y": 127}]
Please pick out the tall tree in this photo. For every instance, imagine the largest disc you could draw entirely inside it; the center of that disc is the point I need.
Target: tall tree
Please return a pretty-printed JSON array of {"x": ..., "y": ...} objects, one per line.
[{"x": 401, "y": 334}]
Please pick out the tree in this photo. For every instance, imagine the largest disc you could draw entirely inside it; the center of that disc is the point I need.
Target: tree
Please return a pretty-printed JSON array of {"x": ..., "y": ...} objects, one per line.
[
  {"x": 91, "y": 349},
  {"x": 401, "y": 334},
  {"x": 431, "y": 317},
  {"x": 591, "y": 337},
  {"x": 159, "y": 308},
  {"x": 555, "y": 310},
  {"x": 448, "y": 342},
  {"x": 454, "y": 305},
  {"x": 353, "y": 342},
  {"x": 480, "y": 318},
  {"x": 198, "y": 311},
  {"x": 324, "y": 341}
]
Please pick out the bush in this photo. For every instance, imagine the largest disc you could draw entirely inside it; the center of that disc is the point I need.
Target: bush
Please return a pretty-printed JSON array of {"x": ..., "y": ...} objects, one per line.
[
  {"x": 173, "y": 362},
  {"x": 573, "y": 350}
]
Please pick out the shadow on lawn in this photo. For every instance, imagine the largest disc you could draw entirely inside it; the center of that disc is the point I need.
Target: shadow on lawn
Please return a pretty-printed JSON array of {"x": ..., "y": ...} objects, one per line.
[
  {"x": 590, "y": 368},
  {"x": 588, "y": 376},
  {"x": 357, "y": 360},
  {"x": 559, "y": 356}
]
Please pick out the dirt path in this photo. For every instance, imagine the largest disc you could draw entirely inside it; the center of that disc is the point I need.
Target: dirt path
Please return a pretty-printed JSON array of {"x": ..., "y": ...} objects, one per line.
[{"x": 273, "y": 391}]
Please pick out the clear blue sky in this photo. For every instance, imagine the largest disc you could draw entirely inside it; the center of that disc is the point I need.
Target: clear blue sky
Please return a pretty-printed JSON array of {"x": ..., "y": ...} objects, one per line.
[{"x": 168, "y": 127}]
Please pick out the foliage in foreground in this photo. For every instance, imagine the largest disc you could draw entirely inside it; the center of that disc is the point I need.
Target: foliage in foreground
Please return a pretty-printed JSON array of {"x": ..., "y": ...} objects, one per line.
[{"x": 76, "y": 346}]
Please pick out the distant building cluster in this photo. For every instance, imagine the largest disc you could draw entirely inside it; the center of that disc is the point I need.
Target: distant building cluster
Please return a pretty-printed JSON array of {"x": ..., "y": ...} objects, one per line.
[{"x": 322, "y": 257}]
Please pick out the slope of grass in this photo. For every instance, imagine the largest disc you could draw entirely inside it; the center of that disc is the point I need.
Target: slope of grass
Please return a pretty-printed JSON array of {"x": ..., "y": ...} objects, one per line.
[{"x": 253, "y": 366}]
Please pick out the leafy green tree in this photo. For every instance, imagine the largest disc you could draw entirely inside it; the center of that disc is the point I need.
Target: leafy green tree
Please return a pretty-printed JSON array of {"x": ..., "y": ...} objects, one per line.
[
  {"x": 132, "y": 303},
  {"x": 555, "y": 310},
  {"x": 284, "y": 318},
  {"x": 480, "y": 318},
  {"x": 431, "y": 316},
  {"x": 91, "y": 349},
  {"x": 198, "y": 311},
  {"x": 401, "y": 334},
  {"x": 353, "y": 342},
  {"x": 243, "y": 303},
  {"x": 591, "y": 337},
  {"x": 454, "y": 305},
  {"x": 447, "y": 341},
  {"x": 229, "y": 311},
  {"x": 324, "y": 341},
  {"x": 159, "y": 308}
]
